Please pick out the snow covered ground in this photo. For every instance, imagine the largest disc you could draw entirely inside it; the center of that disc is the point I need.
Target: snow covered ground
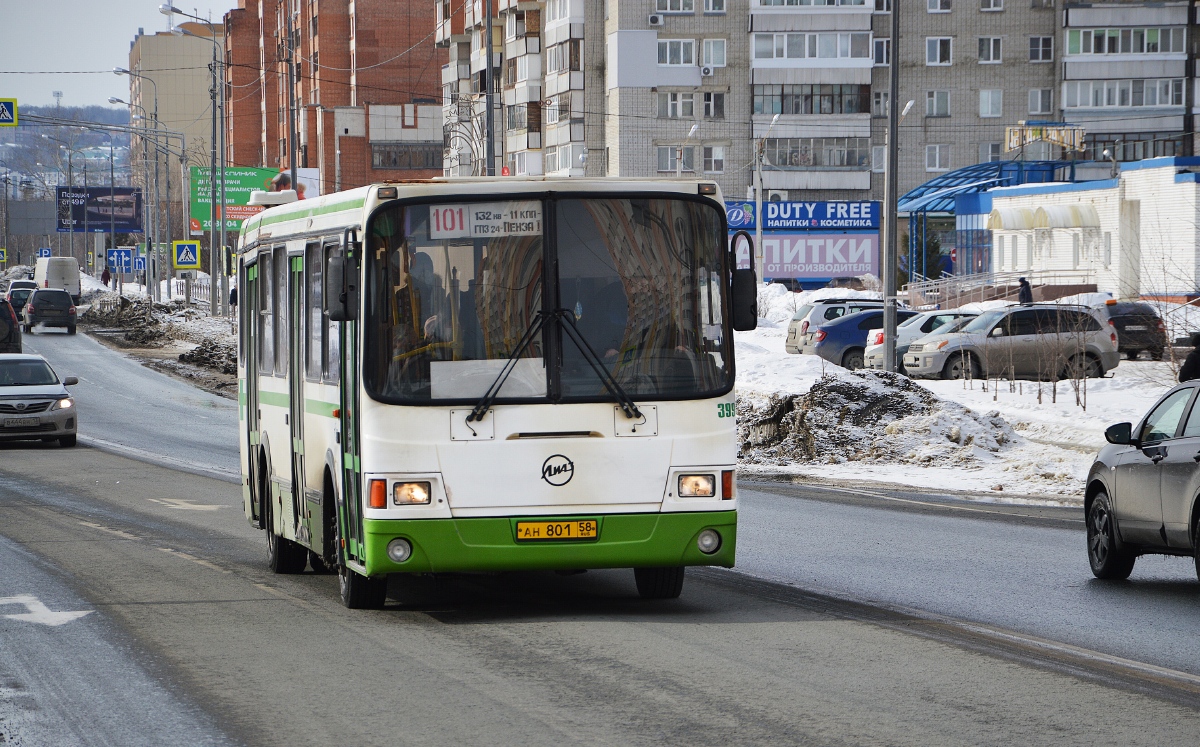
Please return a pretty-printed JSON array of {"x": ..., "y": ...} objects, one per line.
[{"x": 1043, "y": 451}]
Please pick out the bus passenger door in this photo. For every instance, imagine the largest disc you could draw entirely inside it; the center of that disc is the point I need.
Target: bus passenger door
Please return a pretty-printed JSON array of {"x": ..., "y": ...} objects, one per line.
[
  {"x": 352, "y": 513},
  {"x": 250, "y": 306},
  {"x": 295, "y": 332}
]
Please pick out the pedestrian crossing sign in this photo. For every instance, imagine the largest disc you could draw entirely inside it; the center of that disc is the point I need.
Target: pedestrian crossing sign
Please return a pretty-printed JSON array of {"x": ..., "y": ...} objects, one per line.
[
  {"x": 185, "y": 255},
  {"x": 8, "y": 112},
  {"x": 3, "y": 254}
]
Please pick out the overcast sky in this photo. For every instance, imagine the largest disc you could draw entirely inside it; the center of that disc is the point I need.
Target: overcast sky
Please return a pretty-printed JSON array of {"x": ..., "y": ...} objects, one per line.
[{"x": 65, "y": 35}]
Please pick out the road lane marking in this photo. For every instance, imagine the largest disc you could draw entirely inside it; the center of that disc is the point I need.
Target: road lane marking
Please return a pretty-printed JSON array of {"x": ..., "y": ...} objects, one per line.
[
  {"x": 40, "y": 613},
  {"x": 185, "y": 505},
  {"x": 115, "y": 532},
  {"x": 194, "y": 559},
  {"x": 930, "y": 504}
]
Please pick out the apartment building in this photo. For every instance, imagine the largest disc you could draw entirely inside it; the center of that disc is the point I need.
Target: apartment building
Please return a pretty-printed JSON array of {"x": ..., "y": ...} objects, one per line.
[{"x": 364, "y": 86}]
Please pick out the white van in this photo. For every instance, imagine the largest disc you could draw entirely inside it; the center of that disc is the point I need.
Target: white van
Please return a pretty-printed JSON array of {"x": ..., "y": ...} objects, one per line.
[{"x": 58, "y": 272}]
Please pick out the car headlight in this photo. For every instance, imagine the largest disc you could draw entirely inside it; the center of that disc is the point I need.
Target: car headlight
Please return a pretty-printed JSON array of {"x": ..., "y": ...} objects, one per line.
[
  {"x": 63, "y": 404},
  {"x": 410, "y": 493},
  {"x": 697, "y": 486}
]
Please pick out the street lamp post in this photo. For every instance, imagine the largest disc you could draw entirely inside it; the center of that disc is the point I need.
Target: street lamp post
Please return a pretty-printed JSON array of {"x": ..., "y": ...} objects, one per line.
[
  {"x": 149, "y": 220},
  {"x": 679, "y": 152},
  {"x": 889, "y": 234},
  {"x": 152, "y": 251},
  {"x": 759, "y": 147},
  {"x": 63, "y": 144}
]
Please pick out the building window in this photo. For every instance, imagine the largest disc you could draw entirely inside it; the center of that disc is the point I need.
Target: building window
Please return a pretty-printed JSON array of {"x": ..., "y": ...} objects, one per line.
[
  {"x": 883, "y": 6},
  {"x": 1041, "y": 48},
  {"x": 1040, "y": 100},
  {"x": 562, "y": 57},
  {"x": 989, "y": 152},
  {"x": 676, "y": 105},
  {"x": 805, "y": 98},
  {"x": 667, "y": 155},
  {"x": 937, "y": 50},
  {"x": 815, "y": 46},
  {"x": 550, "y": 159},
  {"x": 518, "y": 163},
  {"x": 1125, "y": 41},
  {"x": 991, "y": 103},
  {"x": 937, "y": 157},
  {"x": 883, "y": 52},
  {"x": 714, "y": 106},
  {"x": 558, "y": 108},
  {"x": 1135, "y": 146},
  {"x": 937, "y": 103},
  {"x": 677, "y": 52},
  {"x": 991, "y": 5},
  {"x": 879, "y": 104},
  {"x": 878, "y": 158},
  {"x": 714, "y": 52},
  {"x": 1095, "y": 94},
  {"x": 714, "y": 159},
  {"x": 714, "y": 6},
  {"x": 989, "y": 50},
  {"x": 937, "y": 6},
  {"x": 406, "y": 155},
  {"x": 514, "y": 24},
  {"x": 675, "y": 6},
  {"x": 817, "y": 152}
]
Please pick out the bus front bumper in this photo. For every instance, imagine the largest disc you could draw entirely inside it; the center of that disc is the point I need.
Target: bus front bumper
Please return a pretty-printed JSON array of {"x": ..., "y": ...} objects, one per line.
[{"x": 490, "y": 544}]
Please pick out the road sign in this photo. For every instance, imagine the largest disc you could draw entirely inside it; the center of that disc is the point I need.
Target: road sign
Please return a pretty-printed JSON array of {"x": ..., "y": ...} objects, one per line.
[
  {"x": 44, "y": 251},
  {"x": 121, "y": 260},
  {"x": 139, "y": 264},
  {"x": 8, "y": 112},
  {"x": 185, "y": 255},
  {"x": 3, "y": 254}
]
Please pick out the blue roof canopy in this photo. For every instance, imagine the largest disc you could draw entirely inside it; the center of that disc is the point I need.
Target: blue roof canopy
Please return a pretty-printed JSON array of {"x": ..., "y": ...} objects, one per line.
[{"x": 938, "y": 194}]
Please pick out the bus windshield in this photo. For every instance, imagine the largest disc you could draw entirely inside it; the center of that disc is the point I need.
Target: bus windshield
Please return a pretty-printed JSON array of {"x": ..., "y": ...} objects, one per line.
[{"x": 452, "y": 288}]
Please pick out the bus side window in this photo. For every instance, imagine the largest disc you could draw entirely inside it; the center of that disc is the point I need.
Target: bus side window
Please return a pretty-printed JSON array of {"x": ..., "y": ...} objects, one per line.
[
  {"x": 279, "y": 304},
  {"x": 241, "y": 311},
  {"x": 332, "y": 361},
  {"x": 263, "y": 310},
  {"x": 316, "y": 328}
]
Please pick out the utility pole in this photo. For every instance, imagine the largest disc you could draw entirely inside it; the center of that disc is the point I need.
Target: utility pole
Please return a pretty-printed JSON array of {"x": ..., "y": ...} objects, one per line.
[
  {"x": 891, "y": 184},
  {"x": 759, "y": 148},
  {"x": 213, "y": 209},
  {"x": 490, "y": 148}
]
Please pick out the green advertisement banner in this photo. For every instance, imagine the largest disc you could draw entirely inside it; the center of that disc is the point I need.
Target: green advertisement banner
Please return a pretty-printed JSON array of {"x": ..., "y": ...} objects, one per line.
[{"x": 239, "y": 183}]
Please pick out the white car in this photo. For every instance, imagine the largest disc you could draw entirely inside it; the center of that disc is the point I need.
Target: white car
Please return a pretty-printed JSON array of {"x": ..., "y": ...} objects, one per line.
[
  {"x": 906, "y": 333},
  {"x": 812, "y": 315},
  {"x": 34, "y": 402}
]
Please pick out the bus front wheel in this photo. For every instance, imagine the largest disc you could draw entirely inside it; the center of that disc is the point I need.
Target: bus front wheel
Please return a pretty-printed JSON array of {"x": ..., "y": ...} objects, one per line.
[
  {"x": 659, "y": 583},
  {"x": 359, "y": 592}
]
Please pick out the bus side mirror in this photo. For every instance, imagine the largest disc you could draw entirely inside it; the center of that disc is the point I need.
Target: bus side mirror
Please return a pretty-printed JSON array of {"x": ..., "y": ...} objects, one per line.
[
  {"x": 341, "y": 289},
  {"x": 744, "y": 300}
]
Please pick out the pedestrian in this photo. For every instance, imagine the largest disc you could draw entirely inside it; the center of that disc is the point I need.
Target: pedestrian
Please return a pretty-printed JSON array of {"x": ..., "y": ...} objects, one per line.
[
  {"x": 1025, "y": 292},
  {"x": 105, "y": 277},
  {"x": 1191, "y": 364},
  {"x": 282, "y": 182},
  {"x": 233, "y": 297}
]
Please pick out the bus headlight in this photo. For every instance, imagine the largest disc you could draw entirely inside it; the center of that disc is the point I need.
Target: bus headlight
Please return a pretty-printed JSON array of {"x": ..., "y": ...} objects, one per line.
[
  {"x": 399, "y": 550},
  {"x": 709, "y": 541},
  {"x": 697, "y": 486},
  {"x": 410, "y": 493}
]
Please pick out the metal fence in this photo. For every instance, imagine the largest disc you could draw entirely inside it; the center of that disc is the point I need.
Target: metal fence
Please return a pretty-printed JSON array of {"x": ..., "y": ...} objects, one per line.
[
  {"x": 990, "y": 286},
  {"x": 201, "y": 290}
]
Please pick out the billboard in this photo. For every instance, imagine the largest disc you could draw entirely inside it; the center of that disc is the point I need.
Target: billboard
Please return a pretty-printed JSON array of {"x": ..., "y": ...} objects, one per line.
[
  {"x": 839, "y": 215},
  {"x": 98, "y": 209},
  {"x": 813, "y": 255},
  {"x": 239, "y": 183}
]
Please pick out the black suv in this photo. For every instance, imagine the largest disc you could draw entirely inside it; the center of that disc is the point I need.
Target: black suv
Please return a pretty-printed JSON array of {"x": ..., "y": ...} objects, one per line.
[
  {"x": 1139, "y": 327},
  {"x": 51, "y": 307},
  {"x": 10, "y": 329}
]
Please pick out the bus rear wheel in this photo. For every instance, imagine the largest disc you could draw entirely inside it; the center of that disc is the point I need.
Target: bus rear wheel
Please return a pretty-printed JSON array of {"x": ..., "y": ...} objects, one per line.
[
  {"x": 283, "y": 555},
  {"x": 659, "y": 583}
]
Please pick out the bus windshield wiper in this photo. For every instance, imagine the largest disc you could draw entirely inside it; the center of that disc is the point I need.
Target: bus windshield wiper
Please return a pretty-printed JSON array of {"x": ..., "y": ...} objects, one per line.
[
  {"x": 589, "y": 354},
  {"x": 493, "y": 391}
]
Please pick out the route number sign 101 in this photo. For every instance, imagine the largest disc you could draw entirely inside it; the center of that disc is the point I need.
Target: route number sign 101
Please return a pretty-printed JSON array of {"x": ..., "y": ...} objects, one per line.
[{"x": 485, "y": 219}]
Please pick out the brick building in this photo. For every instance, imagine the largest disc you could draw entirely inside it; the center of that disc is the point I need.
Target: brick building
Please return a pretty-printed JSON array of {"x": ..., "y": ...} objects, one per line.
[{"x": 366, "y": 88}]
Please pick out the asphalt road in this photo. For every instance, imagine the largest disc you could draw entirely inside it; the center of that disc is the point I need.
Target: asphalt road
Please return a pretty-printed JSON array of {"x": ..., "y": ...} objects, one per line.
[
  {"x": 129, "y": 409},
  {"x": 971, "y": 627}
]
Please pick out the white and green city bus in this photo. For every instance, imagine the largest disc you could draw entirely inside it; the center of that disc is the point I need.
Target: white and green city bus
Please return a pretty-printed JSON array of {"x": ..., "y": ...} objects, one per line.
[{"x": 490, "y": 375}]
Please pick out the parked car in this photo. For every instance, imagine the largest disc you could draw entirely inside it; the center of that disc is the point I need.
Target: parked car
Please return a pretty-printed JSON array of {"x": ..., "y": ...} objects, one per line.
[
  {"x": 1139, "y": 327},
  {"x": 1141, "y": 490},
  {"x": 811, "y": 315},
  {"x": 18, "y": 297},
  {"x": 50, "y": 307},
  {"x": 843, "y": 340},
  {"x": 915, "y": 328},
  {"x": 10, "y": 329},
  {"x": 34, "y": 403},
  {"x": 1042, "y": 341}
]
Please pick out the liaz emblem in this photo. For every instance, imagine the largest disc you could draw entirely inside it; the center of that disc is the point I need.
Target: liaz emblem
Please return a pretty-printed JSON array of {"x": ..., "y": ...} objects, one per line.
[{"x": 558, "y": 470}]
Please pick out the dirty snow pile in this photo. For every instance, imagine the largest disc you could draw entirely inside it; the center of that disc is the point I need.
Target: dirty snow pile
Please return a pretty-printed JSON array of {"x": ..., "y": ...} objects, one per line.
[{"x": 802, "y": 416}]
